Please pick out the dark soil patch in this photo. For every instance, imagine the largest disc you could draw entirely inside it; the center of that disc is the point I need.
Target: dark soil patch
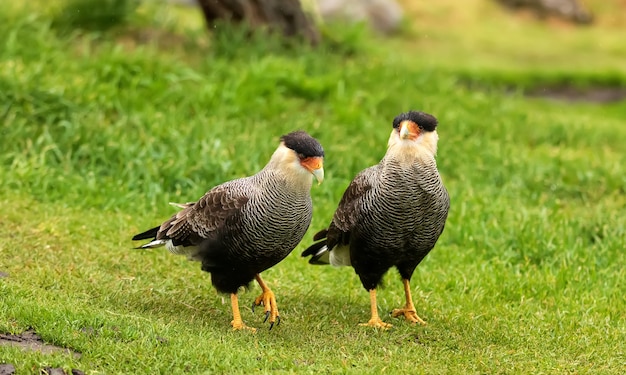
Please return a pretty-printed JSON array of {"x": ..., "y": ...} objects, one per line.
[
  {"x": 7, "y": 369},
  {"x": 30, "y": 340},
  {"x": 576, "y": 94},
  {"x": 52, "y": 371},
  {"x": 560, "y": 90},
  {"x": 59, "y": 371}
]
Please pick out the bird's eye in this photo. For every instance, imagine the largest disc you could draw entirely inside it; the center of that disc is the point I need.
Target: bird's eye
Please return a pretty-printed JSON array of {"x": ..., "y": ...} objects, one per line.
[{"x": 301, "y": 156}]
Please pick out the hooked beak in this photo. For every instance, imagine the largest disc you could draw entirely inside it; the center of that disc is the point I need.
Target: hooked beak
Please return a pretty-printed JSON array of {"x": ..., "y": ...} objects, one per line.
[
  {"x": 315, "y": 165},
  {"x": 409, "y": 130},
  {"x": 319, "y": 175}
]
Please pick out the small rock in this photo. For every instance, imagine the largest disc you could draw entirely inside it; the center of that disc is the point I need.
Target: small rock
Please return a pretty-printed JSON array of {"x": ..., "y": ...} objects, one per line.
[
  {"x": 162, "y": 340},
  {"x": 77, "y": 372},
  {"x": 7, "y": 369},
  {"x": 52, "y": 371},
  {"x": 3, "y": 274}
]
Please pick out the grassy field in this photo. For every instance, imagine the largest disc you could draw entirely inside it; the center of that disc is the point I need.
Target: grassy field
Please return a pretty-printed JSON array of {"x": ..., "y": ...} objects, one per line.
[{"x": 100, "y": 129}]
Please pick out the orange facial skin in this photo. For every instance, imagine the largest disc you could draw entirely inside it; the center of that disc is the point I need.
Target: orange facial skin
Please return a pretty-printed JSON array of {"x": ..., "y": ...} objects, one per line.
[
  {"x": 315, "y": 165},
  {"x": 409, "y": 130}
]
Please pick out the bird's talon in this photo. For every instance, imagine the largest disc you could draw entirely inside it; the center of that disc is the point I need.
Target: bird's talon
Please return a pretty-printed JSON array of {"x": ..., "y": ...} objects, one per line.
[
  {"x": 409, "y": 314},
  {"x": 268, "y": 300},
  {"x": 278, "y": 320},
  {"x": 240, "y": 326},
  {"x": 376, "y": 323}
]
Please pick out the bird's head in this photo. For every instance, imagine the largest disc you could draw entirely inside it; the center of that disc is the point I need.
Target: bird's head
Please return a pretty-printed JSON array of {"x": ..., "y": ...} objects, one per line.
[
  {"x": 299, "y": 154},
  {"x": 415, "y": 129}
]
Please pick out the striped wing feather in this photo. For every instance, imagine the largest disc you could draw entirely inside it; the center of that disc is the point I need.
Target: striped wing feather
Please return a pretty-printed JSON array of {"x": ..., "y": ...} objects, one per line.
[
  {"x": 349, "y": 209},
  {"x": 208, "y": 215}
]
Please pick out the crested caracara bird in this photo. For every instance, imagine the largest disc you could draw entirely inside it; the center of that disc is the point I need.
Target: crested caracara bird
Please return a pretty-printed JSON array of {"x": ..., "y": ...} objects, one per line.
[
  {"x": 242, "y": 227},
  {"x": 391, "y": 214}
]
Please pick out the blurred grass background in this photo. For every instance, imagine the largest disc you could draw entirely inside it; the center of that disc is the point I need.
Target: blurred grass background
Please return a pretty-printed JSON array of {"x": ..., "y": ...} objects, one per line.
[{"x": 103, "y": 120}]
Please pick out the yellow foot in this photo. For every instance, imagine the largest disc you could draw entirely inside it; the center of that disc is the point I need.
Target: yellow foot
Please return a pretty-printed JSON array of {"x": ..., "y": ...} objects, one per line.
[
  {"x": 268, "y": 300},
  {"x": 409, "y": 314},
  {"x": 239, "y": 326},
  {"x": 376, "y": 323}
]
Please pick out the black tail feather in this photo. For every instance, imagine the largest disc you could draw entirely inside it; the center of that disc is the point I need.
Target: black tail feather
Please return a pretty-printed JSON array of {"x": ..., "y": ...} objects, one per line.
[
  {"x": 320, "y": 235},
  {"x": 313, "y": 249},
  {"x": 150, "y": 234}
]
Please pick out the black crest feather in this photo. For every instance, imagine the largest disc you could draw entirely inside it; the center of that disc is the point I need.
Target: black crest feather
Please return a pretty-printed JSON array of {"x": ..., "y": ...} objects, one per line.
[
  {"x": 302, "y": 143},
  {"x": 423, "y": 120}
]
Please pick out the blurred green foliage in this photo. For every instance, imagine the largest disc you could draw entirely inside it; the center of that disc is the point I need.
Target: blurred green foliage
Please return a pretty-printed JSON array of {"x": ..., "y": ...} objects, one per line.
[
  {"x": 100, "y": 128},
  {"x": 94, "y": 15}
]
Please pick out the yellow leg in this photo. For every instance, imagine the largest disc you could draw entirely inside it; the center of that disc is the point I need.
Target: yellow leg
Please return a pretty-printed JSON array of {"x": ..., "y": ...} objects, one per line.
[
  {"x": 375, "y": 320},
  {"x": 268, "y": 300},
  {"x": 237, "y": 323},
  {"x": 408, "y": 311}
]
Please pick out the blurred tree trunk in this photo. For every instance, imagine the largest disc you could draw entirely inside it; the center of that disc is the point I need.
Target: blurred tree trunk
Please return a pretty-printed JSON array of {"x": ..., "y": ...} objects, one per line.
[{"x": 285, "y": 16}]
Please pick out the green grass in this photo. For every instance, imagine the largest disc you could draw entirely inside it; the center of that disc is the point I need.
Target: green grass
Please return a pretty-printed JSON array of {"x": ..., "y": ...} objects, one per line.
[{"x": 100, "y": 129}]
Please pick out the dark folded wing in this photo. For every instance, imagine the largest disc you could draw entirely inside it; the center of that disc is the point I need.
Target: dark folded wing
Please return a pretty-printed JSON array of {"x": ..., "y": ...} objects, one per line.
[
  {"x": 350, "y": 208},
  {"x": 219, "y": 206}
]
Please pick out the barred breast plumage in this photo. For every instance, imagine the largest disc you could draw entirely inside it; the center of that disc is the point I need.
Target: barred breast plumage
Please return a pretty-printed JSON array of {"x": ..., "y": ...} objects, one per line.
[
  {"x": 271, "y": 223},
  {"x": 408, "y": 206},
  {"x": 245, "y": 226},
  {"x": 391, "y": 214}
]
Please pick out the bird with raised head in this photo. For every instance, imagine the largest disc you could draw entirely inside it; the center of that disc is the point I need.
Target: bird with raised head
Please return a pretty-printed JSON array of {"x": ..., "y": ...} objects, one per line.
[
  {"x": 390, "y": 215},
  {"x": 243, "y": 227}
]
